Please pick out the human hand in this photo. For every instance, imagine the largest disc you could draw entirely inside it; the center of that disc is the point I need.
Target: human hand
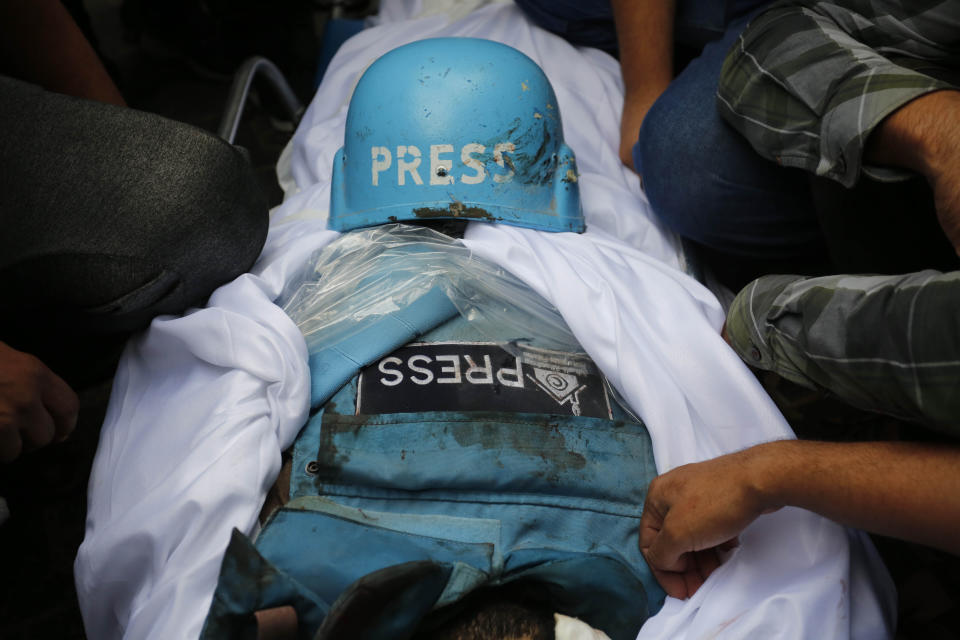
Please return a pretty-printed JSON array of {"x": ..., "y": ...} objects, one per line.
[
  {"x": 695, "y": 512},
  {"x": 635, "y": 108},
  {"x": 36, "y": 405}
]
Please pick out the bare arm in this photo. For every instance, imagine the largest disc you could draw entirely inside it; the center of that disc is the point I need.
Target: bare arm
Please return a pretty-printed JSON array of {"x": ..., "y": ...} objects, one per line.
[
  {"x": 40, "y": 43},
  {"x": 645, "y": 40},
  {"x": 901, "y": 489},
  {"x": 924, "y": 135}
]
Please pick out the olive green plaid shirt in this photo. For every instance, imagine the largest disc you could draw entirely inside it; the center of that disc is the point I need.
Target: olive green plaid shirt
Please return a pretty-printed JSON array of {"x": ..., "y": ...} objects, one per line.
[
  {"x": 809, "y": 80},
  {"x": 889, "y": 344}
]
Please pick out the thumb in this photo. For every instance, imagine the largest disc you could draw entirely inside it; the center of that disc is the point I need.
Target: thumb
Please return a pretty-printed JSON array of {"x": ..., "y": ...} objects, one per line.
[{"x": 665, "y": 551}]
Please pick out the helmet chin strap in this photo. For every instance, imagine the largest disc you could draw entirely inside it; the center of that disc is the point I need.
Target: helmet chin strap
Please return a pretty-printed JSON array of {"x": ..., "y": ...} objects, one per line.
[{"x": 451, "y": 228}]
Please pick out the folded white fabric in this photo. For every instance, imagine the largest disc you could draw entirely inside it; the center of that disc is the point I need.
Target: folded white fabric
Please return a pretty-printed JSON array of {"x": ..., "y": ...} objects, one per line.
[
  {"x": 573, "y": 629},
  {"x": 203, "y": 404}
]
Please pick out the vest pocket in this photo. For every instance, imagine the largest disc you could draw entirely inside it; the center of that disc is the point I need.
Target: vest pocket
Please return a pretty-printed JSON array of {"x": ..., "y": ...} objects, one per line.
[{"x": 530, "y": 458}]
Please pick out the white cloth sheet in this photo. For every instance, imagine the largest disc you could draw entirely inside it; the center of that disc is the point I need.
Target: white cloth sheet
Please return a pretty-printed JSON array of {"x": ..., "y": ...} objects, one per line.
[{"x": 203, "y": 404}]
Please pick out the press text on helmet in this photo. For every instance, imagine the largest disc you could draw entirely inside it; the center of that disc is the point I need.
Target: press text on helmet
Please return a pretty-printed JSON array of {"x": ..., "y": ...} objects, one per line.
[{"x": 409, "y": 157}]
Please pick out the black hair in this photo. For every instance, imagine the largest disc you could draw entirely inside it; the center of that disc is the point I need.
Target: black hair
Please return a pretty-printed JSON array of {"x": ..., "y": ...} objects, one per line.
[{"x": 500, "y": 613}]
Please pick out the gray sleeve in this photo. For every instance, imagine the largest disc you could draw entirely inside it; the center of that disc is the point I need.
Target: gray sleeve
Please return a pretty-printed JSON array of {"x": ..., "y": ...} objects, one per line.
[
  {"x": 807, "y": 82},
  {"x": 889, "y": 344}
]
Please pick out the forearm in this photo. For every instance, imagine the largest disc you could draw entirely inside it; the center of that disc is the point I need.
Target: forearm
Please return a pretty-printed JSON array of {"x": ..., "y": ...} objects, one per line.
[
  {"x": 920, "y": 135},
  {"x": 901, "y": 489},
  {"x": 924, "y": 136},
  {"x": 807, "y": 89},
  {"x": 645, "y": 41},
  {"x": 40, "y": 43}
]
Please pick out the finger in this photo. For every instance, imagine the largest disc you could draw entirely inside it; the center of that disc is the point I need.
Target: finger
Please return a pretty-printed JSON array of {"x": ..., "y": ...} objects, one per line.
[
  {"x": 674, "y": 583},
  {"x": 664, "y": 552},
  {"x": 724, "y": 334},
  {"x": 729, "y": 545},
  {"x": 693, "y": 580},
  {"x": 707, "y": 562},
  {"x": 698, "y": 569},
  {"x": 650, "y": 525},
  {"x": 626, "y": 157},
  {"x": 10, "y": 444},
  {"x": 38, "y": 428},
  {"x": 672, "y": 580},
  {"x": 61, "y": 403}
]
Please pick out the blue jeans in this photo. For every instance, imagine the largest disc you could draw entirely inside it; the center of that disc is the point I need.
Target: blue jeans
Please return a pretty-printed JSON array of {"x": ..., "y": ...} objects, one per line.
[
  {"x": 746, "y": 215},
  {"x": 706, "y": 183}
]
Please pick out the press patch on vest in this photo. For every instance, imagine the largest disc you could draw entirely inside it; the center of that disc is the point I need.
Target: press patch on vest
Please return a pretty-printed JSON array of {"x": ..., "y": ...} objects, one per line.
[{"x": 456, "y": 376}]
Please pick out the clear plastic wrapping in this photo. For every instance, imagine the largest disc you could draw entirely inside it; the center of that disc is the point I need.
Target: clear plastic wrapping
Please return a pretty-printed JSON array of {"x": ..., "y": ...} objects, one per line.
[{"x": 367, "y": 274}]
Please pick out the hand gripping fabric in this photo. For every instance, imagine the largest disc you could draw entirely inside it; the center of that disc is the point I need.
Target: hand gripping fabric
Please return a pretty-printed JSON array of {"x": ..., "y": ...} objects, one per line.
[{"x": 455, "y": 128}]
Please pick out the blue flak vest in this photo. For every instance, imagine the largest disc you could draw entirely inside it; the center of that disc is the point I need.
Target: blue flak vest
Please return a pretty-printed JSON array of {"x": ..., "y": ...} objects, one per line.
[{"x": 439, "y": 462}]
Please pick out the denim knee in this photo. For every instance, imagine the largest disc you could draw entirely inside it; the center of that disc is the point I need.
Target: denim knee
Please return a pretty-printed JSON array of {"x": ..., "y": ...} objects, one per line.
[
  {"x": 668, "y": 161},
  {"x": 706, "y": 183}
]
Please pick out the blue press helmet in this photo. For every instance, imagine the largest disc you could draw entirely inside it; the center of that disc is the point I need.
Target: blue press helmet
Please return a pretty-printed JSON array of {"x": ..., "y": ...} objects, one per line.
[{"x": 455, "y": 128}]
